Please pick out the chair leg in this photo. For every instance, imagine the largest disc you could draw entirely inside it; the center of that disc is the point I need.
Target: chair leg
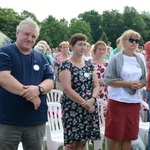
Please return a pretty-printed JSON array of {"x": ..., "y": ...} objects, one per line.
[
  {"x": 87, "y": 145},
  {"x": 64, "y": 147},
  {"x": 98, "y": 144},
  {"x": 106, "y": 143},
  {"x": 44, "y": 145}
]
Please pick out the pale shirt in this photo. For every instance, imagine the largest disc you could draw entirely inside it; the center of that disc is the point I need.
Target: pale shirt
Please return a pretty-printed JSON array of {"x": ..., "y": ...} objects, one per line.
[
  {"x": 87, "y": 58},
  {"x": 131, "y": 71}
]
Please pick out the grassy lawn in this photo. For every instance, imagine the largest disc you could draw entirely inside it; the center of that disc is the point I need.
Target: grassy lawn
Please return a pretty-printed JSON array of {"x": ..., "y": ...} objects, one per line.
[{"x": 90, "y": 148}]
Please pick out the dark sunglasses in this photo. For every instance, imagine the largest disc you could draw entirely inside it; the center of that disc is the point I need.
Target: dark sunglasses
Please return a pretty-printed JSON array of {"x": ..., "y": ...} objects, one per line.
[{"x": 131, "y": 40}]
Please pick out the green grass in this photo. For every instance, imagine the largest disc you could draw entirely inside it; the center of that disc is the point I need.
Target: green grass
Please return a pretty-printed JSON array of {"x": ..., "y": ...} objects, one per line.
[{"x": 90, "y": 148}]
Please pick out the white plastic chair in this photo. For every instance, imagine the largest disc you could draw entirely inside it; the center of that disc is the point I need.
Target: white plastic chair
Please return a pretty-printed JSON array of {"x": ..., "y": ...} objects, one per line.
[
  {"x": 98, "y": 144},
  {"x": 144, "y": 111},
  {"x": 20, "y": 147},
  {"x": 54, "y": 95},
  {"x": 54, "y": 129},
  {"x": 138, "y": 144},
  {"x": 144, "y": 126}
]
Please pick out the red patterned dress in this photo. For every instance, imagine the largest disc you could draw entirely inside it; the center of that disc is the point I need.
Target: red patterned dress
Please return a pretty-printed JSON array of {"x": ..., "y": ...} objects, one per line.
[{"x": 100, "y": 69}]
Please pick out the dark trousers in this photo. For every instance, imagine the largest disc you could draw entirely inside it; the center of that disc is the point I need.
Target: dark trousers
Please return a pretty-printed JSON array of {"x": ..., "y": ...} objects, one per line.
[{"x": 30, "y": 136}]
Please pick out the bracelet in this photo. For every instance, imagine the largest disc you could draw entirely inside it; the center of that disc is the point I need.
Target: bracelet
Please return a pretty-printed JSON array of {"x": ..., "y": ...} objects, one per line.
[
  {"x": 83, "y": 103},
  {"x": 94, "y": 98}
]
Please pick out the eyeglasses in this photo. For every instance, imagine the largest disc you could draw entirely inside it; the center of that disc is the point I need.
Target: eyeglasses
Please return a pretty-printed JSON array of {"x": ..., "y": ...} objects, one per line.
[{"x": 131, "y": 40}]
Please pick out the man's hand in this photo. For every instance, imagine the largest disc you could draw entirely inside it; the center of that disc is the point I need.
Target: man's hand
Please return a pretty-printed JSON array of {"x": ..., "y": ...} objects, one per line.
[
  {"x": 30, "y": 92},
  {"x": 36, "y": 102}
]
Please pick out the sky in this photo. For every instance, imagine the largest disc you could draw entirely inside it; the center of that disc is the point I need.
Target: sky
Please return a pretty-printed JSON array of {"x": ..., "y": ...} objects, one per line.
[{"x": 69, "y": 9}]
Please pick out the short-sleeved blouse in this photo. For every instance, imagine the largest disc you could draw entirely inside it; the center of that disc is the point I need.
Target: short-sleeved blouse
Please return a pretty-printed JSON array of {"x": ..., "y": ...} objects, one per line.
[{"x": 79, "y": 125}]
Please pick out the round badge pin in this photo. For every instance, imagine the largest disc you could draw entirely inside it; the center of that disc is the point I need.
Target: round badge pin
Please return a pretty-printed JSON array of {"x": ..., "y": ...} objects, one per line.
[
  {"x": 36, "y": 67},
  {"x": 86, "y": 74}
]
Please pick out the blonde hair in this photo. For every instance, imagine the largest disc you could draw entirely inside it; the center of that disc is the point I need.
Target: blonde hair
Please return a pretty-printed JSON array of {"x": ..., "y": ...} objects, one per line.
[
  {"x": 118, "y": 40},
  {"x": 63, "y": 43},
  {"x": 96, "y": 46},
  {"x": 130, "y": 33},
  {"x": 88, "y": 44}
]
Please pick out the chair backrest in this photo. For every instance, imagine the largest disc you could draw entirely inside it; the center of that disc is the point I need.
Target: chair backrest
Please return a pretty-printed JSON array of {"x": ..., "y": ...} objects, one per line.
[
  {"x": 54, "y": 95},
  {"x": 55, "y": 118},
  {"x": 145, "y": 105},
  {"x": 101, "y": 110}
]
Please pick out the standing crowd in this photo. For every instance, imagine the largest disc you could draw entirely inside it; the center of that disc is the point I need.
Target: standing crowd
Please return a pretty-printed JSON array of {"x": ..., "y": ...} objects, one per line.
[{"x": 84, "y": 73}]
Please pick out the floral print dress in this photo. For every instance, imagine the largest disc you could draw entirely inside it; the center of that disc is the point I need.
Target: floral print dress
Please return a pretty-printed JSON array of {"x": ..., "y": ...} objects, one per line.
[
  {"x": 100, "y": 69},
  {"x": 79, "y": 125}
]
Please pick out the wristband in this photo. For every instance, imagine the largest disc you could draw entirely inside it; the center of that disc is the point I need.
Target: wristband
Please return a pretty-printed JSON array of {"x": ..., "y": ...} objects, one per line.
[{"x": 94, "y": 98}]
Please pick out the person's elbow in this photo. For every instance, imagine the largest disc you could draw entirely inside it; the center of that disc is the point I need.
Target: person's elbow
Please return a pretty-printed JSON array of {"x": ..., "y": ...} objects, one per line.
[
  {"x": 4, "y": 75},
  {"x": 67, "y": 89}
]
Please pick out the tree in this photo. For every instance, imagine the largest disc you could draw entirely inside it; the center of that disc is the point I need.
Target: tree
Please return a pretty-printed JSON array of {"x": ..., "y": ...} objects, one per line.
[
  {"x": 80, "y": 26},
  {"x": 9, "y": 19},
  {"x": 133, "y": 20},
  {"x": 104, "y": 37},
  {"x": 96, "y": 26},
  {"x": 53, "y": 31},
  {"x": 93, "y": 18},
  {"x": 25, "y": 14},
  {"x": 112, "y": 25},
  {"x": 146, "y": 18}
]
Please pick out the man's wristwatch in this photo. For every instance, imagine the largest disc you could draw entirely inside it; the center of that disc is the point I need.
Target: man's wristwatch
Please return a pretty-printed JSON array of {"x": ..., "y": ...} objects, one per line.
[{"x": 41, "y": 89}]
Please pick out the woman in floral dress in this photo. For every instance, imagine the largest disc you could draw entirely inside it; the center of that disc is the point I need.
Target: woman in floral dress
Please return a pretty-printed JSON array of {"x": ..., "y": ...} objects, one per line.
[
  {"x": 99, "y": 51},
  {"x": 80, "y": 85}
]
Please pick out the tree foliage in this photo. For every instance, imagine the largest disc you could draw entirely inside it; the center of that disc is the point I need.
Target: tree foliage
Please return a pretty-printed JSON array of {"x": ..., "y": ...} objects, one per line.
[
  {"x": 112, "y": 25},
  {"x": 53, "y": 31},
  {"x": 106, "y": 26},
  {"x": 94, "y": 19},
  {"x": 26, "y": 14},
  {"x": 80, "y": 26},
  {"x": 9, "y": 19}
]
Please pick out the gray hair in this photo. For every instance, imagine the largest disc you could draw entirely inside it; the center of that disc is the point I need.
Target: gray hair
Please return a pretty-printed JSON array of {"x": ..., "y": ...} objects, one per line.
[
  {"x": 41, "y": 48},
  {"x": 28, "y": 21}
]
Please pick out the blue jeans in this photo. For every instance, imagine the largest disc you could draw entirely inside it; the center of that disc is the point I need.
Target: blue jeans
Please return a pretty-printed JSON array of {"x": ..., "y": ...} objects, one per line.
[
  {"x": 148, "y": 101},
  {"x": 30, "y": 136},
  {"x": 149, "y": 137}
]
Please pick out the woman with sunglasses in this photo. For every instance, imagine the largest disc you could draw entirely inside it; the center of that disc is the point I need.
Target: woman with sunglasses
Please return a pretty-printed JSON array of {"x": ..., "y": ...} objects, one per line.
[{"x": 125, "y": 75}]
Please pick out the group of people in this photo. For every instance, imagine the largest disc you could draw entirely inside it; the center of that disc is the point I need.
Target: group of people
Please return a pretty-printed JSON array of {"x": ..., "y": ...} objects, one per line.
[
  {"x": 120, "y": 82},
  {"x": 26, "y": 76}
]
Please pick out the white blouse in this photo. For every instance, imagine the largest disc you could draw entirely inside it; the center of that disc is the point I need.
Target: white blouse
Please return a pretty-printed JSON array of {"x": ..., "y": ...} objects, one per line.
[{"x": 131, "y": 71}]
